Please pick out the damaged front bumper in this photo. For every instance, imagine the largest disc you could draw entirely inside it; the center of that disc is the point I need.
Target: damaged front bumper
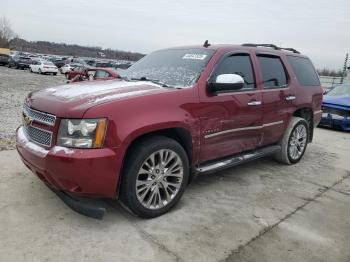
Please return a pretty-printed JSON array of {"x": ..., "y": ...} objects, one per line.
[{"x": 72, "y": 173}]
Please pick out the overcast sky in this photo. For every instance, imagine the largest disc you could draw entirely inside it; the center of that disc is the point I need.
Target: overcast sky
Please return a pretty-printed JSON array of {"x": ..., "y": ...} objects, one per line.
[{"x": 318, "y": 28}]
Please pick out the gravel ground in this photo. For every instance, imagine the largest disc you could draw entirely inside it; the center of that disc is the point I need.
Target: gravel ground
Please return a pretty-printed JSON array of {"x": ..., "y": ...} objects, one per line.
[{"x": 14, "y": 87}]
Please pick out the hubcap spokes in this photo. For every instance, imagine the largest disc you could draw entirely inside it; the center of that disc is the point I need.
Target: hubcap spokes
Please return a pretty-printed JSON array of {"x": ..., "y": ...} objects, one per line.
[
  {"x": 297, "y": 142},
  {"x": 159, "y": 179}
]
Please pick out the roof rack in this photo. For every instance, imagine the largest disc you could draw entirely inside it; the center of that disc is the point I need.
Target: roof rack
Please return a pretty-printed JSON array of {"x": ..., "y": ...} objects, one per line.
[{"x": 273, "y": 46}]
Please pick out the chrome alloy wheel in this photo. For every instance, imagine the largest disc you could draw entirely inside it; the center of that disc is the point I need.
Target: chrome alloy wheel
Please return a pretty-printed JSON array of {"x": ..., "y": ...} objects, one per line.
[
  {"x": 159, "y": 179},
  {"x": 297, "y": 142}
]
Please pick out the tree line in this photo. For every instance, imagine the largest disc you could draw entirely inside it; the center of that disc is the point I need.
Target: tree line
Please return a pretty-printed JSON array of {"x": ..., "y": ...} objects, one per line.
[
  {"x": 9, "y": 39},
  {"x": 45, "y": 47},
  {"x": 329, "y": 72}
]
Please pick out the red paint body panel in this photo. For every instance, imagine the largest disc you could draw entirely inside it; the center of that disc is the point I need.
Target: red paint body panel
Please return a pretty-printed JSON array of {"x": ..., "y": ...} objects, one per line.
[{"x": 97, "y": 171}]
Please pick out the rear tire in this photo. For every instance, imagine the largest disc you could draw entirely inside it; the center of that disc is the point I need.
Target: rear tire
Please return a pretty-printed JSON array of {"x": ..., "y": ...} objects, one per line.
[
  {"x": 54, "y": 74},
  {"x": 294, "y": 141},
  {"x": 155, "y": 176}
]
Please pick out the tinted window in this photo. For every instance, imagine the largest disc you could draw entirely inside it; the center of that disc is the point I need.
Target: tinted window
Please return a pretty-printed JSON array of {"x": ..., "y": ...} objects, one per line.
[
  {"x": 240, "y": 65},
  {"x": 273, "y": 72},
  {"x": 304, "y": 71}
]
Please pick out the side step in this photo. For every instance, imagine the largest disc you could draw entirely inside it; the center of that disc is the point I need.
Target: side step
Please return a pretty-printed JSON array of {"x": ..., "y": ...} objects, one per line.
[{"x": 237, "y": 159}]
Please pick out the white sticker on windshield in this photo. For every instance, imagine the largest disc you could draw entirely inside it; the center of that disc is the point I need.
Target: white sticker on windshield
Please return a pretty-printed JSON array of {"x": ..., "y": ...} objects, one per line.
[{"x": 194, "y": 56}]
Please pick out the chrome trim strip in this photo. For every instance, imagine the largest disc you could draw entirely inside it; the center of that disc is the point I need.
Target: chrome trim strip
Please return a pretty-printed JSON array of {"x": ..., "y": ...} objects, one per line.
[
  {"x": 243, "y": 128},
  {"x": 318, "y": 112},
  {"x": 273, "y": 123}
]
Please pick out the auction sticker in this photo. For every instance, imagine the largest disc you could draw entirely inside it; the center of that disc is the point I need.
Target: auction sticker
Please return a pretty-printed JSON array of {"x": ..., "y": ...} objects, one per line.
[{"x": 194, "y": 56}]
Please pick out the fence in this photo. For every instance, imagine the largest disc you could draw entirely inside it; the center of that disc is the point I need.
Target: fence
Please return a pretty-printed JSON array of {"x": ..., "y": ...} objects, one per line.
[{"x": 329, "y": 81}]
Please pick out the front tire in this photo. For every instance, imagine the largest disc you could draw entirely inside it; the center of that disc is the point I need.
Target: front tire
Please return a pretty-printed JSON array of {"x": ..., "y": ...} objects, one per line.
[
  {"x": 155, "y": 176},
  {"x": 294, "y": 141}
]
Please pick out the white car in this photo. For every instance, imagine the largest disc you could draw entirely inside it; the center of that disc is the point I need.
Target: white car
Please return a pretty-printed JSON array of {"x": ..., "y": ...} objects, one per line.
[
  {"x": 43, "y": 67},
  {"x": 68, "y": 67}
]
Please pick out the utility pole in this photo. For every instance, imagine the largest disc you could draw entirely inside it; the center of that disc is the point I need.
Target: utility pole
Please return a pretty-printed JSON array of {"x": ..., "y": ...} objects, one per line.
[{"x": 344, "y": 68}]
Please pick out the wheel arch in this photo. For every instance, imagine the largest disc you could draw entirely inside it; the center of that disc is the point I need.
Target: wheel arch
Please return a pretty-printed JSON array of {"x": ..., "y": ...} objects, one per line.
[
  {"x": 308, "y": 115},
  {"x": 180, "y": 134}
]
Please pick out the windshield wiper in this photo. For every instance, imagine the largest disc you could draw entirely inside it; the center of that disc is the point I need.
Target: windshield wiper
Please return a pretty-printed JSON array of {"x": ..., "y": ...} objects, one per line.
[{"x": 155, "y": 81}]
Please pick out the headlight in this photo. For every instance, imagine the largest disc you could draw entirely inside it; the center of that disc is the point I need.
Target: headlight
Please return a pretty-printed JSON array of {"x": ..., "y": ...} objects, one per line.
[{"x": 82, "y": 133}]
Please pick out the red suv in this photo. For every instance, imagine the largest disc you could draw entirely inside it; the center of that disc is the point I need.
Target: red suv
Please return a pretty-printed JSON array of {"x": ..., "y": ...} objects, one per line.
[{"x": 175, "y": 113}]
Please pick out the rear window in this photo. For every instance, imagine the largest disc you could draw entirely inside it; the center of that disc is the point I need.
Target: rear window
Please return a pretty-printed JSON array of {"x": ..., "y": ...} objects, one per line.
[
  {"x": 273, "y": 72},
  {"x": 304, "y": 71}
]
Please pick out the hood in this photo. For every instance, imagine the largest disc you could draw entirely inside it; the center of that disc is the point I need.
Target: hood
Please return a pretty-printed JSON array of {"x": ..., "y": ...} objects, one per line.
[
  {"x": 72, "y": 100},
  {"x": 337, "y": 100}
]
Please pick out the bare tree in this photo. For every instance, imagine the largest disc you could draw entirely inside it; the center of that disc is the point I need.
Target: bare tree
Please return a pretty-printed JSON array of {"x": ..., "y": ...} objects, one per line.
[{"x": 6, "y": 32}]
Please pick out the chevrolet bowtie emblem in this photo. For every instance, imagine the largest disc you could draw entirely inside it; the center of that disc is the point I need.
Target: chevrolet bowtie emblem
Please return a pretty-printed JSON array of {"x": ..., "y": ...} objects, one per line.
[{"x": 27, "y": 120}]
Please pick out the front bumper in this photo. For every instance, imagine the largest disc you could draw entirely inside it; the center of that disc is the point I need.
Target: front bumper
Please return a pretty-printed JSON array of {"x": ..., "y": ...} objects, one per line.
[
  {"x": 83, "y": 172},
  {"x": 337, "y": 123}
]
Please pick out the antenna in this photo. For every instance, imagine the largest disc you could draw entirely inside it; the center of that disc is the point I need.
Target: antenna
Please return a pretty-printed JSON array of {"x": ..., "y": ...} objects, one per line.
[{"x": 206, "y": 43}]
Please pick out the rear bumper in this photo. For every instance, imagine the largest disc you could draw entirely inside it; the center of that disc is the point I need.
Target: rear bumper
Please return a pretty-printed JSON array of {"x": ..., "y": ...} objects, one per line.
[
  {"x": 22, "y": 65},
  {"x": 49, "y": 70},
  {"x": 83, "y": 172}
]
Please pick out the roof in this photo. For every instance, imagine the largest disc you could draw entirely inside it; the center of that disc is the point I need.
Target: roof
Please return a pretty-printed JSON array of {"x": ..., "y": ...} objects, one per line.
[{"x": 244, "y": 47}]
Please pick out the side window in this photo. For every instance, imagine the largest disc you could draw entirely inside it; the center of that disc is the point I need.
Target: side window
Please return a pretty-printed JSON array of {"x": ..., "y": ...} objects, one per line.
[
  {"x": 239, "y": 64},
  {"x": 273, "y": 72},
  {"x": 304, "y": 71},
  {"x": 101, "y": 74}
]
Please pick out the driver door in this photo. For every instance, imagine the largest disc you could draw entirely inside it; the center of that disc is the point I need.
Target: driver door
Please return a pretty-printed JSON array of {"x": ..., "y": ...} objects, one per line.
[{"x": 231, "y": 121}]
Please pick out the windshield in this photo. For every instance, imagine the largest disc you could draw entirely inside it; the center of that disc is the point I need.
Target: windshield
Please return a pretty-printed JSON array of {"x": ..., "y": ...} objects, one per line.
[
  {"x": 342, "y": 90},
  {"x": 174, "y": 67}
]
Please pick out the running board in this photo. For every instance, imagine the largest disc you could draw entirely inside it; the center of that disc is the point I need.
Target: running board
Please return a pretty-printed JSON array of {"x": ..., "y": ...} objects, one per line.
[{"x": 237, "y": 159}]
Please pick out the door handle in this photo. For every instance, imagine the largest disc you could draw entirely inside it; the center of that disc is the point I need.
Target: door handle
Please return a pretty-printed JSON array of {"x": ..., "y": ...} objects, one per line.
[
  {"x": 290, "y": 98},
  {"x": 254, "y": 103}
]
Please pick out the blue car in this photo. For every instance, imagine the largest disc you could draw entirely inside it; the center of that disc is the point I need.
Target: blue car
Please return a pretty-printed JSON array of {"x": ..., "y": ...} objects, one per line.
[{"x": 336, "y": 108}]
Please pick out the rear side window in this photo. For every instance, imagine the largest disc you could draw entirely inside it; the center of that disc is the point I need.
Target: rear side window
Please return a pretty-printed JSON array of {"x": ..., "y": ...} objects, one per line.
[
  {"x": 304, "y": 71},
  {"x": 239, "y": 64},
  {"x": 273, "y": 72}
]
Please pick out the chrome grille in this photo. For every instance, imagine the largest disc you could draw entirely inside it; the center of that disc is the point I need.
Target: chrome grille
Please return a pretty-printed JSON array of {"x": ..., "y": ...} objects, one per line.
[
  {"x": 38, "y": 135},
  {"x": 38, "y": 116}
]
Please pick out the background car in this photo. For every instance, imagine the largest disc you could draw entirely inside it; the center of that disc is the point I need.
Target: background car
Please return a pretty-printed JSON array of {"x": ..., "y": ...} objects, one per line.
[
  {"x": 59, "y": 62},
  {"x": 68, "y": 67},
  {"x": 336, "y": 108},
  {"x": 19, "y": 62},
  {"x": 43, "y": 67},
  {"x": 95, "y": 74},
  {"x": 77, "y": 70},
  {"x": 4, "y": 59}
]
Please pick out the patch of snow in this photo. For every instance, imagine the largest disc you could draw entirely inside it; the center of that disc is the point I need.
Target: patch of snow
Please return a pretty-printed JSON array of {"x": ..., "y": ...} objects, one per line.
[
  {"x": 67, "y": 151},
  {"x": 92, "y": 88},
  {"x": 34, "y": 148},
  {"x": 176, "y": 76},
  {"x": 120, "y": 95}
]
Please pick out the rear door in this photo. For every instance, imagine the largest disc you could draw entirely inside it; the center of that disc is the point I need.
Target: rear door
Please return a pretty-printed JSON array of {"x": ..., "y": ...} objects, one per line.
[
  {"x": 277, "y": 96},
  {"x": 231, "y": 122}
]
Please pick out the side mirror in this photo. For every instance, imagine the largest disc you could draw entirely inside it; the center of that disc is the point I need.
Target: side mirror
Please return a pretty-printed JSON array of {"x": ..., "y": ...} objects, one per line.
[{"x": 226, "y": 83}]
